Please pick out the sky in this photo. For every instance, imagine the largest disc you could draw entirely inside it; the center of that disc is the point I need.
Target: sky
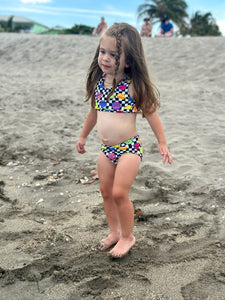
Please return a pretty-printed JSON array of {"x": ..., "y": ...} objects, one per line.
[{"x": 67, "y": 13}]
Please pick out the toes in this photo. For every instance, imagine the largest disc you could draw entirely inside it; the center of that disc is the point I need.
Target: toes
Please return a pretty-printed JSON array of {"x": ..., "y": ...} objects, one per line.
[
  {"x": 105, "y": 244},
  {"x": 121, "y": 249},
  {"x": 113, "y": 255},
  {"x": 116, "y": 254},
  {"x": 119, "y": 254},
  {"x": 102, "y": 246}
]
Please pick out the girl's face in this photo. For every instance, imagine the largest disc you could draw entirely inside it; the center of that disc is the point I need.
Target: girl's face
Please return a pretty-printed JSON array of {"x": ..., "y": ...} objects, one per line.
[{"x": 107, "y": 57}]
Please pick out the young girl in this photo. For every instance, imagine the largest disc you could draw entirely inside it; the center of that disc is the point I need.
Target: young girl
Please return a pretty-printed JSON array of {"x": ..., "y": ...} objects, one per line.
[{"x": 119, "y": 87}]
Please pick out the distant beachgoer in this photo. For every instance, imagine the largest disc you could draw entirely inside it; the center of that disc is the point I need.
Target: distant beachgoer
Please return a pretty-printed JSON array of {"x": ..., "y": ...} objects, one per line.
[
  {"x": 166, "y": 29},
  {"x": 119, "y": 86},
  {"x": 101, "y": 28},
  {"x": 146, "y": 29}
]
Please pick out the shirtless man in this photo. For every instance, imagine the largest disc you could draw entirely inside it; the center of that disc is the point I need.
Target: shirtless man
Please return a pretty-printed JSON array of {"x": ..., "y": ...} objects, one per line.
[
  {"x": 146, "y": 29},
  {"x": 101, "y": 28}
]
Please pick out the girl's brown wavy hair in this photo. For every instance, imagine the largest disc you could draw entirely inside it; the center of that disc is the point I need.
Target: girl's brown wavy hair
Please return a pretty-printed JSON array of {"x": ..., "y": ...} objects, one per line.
[{"x": 128, "y": 39}]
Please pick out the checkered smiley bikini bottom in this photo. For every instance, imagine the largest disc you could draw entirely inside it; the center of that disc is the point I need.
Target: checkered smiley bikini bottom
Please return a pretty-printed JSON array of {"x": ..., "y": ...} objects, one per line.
[{"x": 132, "y": 146}]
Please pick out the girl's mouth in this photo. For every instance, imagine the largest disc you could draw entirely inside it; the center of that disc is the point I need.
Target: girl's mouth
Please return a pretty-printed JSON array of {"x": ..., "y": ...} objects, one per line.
[{"x": 105, "y": 67}]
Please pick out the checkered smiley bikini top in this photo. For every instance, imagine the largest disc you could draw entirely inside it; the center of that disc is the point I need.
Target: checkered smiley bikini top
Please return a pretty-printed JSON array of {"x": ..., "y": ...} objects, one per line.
[{"x": 119, "y": 102}]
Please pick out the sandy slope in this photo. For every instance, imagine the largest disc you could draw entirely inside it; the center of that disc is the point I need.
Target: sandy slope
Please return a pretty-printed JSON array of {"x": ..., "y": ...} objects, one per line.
[{"x": 51, "y": 223}]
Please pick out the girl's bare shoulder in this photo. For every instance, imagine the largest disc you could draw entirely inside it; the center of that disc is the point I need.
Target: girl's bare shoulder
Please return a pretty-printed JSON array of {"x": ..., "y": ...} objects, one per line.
[{"x": 131, "y": 89}]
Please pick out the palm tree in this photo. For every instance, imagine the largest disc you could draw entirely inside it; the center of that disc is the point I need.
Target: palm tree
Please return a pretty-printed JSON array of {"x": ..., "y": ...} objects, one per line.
[
  {"x": 202, "y": 25},
  {"x": 158, "y": 10},
  {"x": 9, "y": 26}
]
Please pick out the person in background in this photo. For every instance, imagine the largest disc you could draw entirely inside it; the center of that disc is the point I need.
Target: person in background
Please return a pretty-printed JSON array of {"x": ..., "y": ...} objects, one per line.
[
  {"x": 166, "y": 29},
  {"x": 101, "y": 28},
  {"x": 146, "y": 29}
]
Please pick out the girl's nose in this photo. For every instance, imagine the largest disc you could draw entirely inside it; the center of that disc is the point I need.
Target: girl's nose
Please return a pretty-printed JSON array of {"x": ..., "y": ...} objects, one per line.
[{"x": 106, "y": 57}]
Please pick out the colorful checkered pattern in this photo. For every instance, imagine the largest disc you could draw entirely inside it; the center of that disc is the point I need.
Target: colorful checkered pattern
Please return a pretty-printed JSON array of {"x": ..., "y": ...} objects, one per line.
[
  {"x": 119, "y": 102},
  {"x": 132, "y": 146}
]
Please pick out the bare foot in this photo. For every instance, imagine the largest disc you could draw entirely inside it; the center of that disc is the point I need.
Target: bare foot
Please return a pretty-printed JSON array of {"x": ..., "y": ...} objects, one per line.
[
  {"x": 122, "y": 247},
  {"x": 108, "y": 242}
]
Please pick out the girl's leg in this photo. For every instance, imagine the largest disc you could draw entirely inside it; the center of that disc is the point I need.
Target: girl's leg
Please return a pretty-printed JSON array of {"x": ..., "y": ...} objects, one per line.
[
  {"x": 106, "y": 173},
  {"x": 126, "y": 171}
]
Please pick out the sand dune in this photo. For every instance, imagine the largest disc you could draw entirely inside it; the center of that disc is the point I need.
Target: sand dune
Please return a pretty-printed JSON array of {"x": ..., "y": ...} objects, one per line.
[{"x": 51, "y": 223}]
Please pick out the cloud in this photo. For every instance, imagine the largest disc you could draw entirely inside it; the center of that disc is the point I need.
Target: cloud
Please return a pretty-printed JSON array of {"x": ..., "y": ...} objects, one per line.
[
  {"x": 221, "y": 24},
  {"x": 68, "y": 11},
  {"x": 90, "y": 11},
  {"x": 35, "y": 1},
  {"x": 85, "y": 14},
  {"x": 30, "y": 10}
]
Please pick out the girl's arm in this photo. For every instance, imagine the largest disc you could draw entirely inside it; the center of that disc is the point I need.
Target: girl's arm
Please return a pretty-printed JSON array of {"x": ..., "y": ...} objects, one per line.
[
  {"x": 156, "y": 125},
  {"x": 89, "y": 124}
]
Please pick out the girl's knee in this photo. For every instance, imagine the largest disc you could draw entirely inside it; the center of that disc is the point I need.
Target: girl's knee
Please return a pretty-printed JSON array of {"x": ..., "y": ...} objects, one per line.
[
  {"x": 118, "y": 194},
  {"x": 106, "y": 192}
]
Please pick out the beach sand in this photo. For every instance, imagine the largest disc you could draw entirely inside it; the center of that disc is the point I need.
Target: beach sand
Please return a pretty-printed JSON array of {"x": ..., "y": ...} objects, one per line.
[{"x": 51, "y": 222}]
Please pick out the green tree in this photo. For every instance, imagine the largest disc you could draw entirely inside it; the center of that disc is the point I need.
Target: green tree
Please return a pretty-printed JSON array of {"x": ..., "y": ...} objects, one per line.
[
  {"x": 7, "y": 25},
  {"x": 158, "y": 10},
  {"x": 79, "y": 29},
  {"x": 10, "y": 24},
  {"x": 203, "y": 25}
]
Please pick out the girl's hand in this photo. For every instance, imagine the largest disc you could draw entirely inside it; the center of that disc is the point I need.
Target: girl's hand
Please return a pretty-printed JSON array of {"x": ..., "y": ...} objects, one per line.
[
  {"x": 80, "y": 145},
  {"x": 163, "y": 150}
]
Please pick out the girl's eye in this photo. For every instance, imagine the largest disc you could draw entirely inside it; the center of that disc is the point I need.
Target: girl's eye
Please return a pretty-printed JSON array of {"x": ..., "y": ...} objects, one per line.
[{"x": 113, "y": 55}]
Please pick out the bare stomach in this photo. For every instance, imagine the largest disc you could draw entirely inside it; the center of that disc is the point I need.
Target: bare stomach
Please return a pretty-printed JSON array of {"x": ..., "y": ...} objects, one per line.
[{"x": 115, "y": 128}]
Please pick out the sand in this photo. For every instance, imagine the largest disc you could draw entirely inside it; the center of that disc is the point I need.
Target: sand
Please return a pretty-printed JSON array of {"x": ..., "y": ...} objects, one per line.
[{"x": 51, "y": 222}]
